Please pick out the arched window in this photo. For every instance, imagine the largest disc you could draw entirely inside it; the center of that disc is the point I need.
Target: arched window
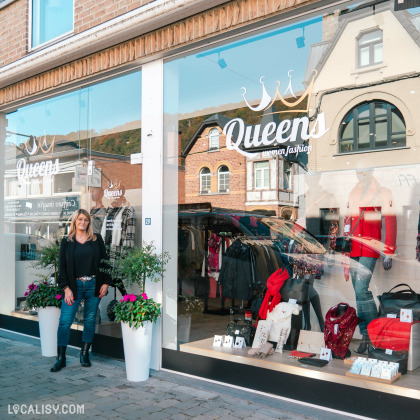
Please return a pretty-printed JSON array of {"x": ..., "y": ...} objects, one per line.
[
  {"x": 370, "y": 48},
  {"x": 223, "y": 179},
  {"x": 214, "y": 139},
  {"x": 372, "y": 125},
  {"x": 205, "y": 181}
]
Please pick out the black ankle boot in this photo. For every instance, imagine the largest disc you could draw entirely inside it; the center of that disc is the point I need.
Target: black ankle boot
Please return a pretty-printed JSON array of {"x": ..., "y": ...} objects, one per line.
[
  {"x": 61, "y": 359},
  {"x": 363, "y": 345},
  {"x": 84, "y": 355}
]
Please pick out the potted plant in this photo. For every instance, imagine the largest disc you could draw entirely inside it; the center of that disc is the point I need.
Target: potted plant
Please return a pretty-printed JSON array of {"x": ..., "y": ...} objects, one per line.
[
  {"x": 189, "y": 305},
  {"x": 138, "y": 312},
  {"x": 45, "y": 297}
]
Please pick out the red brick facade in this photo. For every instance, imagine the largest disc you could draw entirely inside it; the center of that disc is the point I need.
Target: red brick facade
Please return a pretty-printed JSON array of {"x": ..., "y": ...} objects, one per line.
[{"x": 200, "y": 157}]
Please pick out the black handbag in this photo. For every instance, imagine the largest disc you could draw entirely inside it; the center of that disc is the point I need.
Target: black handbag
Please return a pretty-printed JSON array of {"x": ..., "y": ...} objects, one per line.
[
  {"x": 313, "y": 362},
  {"x": 400, "y": 357},
  {"x": 241, "y": 328},
  {"x": 393, "y": 301}
]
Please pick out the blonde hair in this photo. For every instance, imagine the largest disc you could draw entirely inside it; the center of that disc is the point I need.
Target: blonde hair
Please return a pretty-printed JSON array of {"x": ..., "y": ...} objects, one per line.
[{"x": 72, "y": 230}]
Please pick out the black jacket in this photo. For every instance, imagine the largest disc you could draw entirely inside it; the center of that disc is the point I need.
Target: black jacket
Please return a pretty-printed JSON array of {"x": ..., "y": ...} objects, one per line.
[{"x": 66, "y": 265}]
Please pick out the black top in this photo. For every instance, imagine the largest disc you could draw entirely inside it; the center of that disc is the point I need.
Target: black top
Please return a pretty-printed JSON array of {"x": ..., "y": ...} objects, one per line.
[
  {"x": 83, "y": 259},
  {"x": 67, "y": 276}
]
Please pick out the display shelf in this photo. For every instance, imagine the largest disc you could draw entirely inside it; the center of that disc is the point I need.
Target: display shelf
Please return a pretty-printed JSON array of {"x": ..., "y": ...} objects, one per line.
[
  {"x": 369, "y": 378},
  {"x": 335, "y": 371}
]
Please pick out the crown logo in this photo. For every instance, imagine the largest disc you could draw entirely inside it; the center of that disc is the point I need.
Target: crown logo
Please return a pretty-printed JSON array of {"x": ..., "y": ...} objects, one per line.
[
  {"x": 293, "y": 106},
  {"x": 38, "y": 145},
  {"x": 114, "y": 185}
]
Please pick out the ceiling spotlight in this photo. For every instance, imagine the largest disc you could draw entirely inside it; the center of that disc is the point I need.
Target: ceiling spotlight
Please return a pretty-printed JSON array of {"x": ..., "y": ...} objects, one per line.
[
  {"x": 300, "y": 40},
  {"x": 221, "y": 62}
]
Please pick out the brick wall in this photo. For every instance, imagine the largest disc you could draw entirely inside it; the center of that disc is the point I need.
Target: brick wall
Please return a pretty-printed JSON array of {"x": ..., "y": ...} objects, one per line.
[
  {"x": 200, "y": 157},
  {"x": 13, "y": 32},
  {"x": 204, "y": 25},
  {"x": 90, "y": 13}
]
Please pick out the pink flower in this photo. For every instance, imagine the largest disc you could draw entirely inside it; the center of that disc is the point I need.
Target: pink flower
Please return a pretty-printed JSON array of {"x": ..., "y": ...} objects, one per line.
[
  {"x": 58, "y": 296},
  {"x": 144, "y": 296},
  {"x": 126, "y": 298},
  {"x": 132, "y": 298},
  {"x": 122, "y": 300},
  {"x": 26, "y": 294},
  {"x": 34, "y": 287}
]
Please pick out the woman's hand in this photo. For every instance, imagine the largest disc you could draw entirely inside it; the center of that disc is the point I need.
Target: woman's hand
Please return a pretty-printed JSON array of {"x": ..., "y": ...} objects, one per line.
[
  {"x": 68, "y": 296},
  {"x": 103, "y": 290}
]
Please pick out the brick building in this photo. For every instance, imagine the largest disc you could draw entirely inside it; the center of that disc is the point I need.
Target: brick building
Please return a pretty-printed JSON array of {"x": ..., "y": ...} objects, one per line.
[{"x": 143, "y": 90}]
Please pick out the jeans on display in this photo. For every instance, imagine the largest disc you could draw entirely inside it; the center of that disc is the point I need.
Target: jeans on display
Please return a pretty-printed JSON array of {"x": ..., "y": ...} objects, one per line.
[
  {"x": 85, "y": 291},
  {"x": 366, "y": 306}
]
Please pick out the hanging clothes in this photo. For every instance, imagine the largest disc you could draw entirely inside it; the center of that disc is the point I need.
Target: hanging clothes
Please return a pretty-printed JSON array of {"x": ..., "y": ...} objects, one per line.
[{"x": 339, "y": 329}]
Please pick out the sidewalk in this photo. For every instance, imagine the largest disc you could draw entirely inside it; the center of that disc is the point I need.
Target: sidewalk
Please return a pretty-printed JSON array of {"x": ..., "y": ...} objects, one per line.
[{"x": 102, "y": 391}]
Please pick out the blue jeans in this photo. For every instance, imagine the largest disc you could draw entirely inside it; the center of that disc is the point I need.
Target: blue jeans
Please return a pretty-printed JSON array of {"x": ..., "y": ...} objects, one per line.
[
  {"x": 85, "y": 291},
  {"x": 366, "y": 306}
]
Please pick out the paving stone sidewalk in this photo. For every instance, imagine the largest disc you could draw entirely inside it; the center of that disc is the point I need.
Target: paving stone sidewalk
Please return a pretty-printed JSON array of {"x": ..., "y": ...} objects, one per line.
[{"x": 102, "y": 391}]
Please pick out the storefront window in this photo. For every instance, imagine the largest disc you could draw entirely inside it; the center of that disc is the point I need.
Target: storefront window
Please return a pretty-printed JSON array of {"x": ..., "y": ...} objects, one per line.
[
  {"x": 73, "y": 151},
  {"x": 321, "y": 219}
]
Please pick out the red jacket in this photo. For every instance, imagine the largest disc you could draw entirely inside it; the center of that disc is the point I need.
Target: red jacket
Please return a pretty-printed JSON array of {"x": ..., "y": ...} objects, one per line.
[{"x": 367, "y": 207}]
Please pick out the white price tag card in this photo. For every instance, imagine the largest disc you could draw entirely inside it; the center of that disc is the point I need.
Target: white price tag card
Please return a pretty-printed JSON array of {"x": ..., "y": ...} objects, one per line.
[
  {"x": 239, "y": 342},
  {"x": 325, "y": 354},
  {"x": 228, "y": 341},
  {"x": 391, "y": 315},
  {"x": 386, "y": 373},
  {"x": 218, "y": 341},
  {"x": 406, "y": 315},
  {"x": 388, "y": 351},
  {"x": 292, "y": 301}
]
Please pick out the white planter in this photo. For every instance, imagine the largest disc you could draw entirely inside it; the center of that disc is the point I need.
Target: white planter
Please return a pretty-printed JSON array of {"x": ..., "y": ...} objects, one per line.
[
  {"x": 137, "y": 349},
  {"x": 48, "y": 324}
]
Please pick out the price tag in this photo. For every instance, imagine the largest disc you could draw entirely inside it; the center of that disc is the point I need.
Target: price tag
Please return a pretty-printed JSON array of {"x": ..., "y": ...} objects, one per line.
[
  {"x": 388, "y": 351},
  {"x": 336, "y": 329},
  {"x": 228, "y": 341},
  {"x": 292, "y": 301},
  {"x": 391, "y": 315},
  {"x": 239, "y": 343},
  {"x": 406, "y": 315},
  {"x": 218, "y": 341},
  {"x": 325, "y": 354}
]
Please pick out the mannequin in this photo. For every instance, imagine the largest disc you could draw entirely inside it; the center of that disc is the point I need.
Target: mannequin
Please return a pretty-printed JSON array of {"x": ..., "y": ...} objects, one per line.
[
  {"x": 368, "y": 203},
  {"x": 98, "y": 210}
]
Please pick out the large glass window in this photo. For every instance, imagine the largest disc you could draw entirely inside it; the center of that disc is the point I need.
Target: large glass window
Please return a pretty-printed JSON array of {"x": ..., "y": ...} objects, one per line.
[
  {"x": 205, "y": 181},
  {"x": 372, "y": 125},
  {"x": 50, "y": 20},
  {"x": 76, "y": 150},
  {"x": 308, "y": 228},
  {"x": 223, "y": 179}
]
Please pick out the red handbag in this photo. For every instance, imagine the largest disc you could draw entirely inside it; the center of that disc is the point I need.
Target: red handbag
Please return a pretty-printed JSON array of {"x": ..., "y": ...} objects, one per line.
[{"x": 390, "y": 333}]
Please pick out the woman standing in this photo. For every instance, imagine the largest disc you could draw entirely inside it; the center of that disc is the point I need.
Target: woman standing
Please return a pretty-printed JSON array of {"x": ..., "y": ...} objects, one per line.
[{"x": 81, "y": 257}]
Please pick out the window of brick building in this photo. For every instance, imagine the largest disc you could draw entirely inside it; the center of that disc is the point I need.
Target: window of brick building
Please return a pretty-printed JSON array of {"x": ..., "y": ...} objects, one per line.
[
  {"x": 214, "y": 139},
  {"x": 205, "y": 181},
  {"x": 287, "y": 176},
  {"x": 223, "y": 179},
  {"x": 51, "y": 19},
  {"x": 262, "y": 174}
]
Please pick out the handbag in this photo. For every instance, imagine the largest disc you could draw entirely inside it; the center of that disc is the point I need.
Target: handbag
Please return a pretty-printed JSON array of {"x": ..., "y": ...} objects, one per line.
[
  {"x": 295, "y": 288},
  {"x": 241, "y": 328},
  {"x": 393, "y": 301},
  {"x": 390, "y": 333},
  {"x": 400, "y": 357}
]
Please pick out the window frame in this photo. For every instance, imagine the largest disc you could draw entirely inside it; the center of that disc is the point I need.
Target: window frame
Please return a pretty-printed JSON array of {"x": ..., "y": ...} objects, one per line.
[
  {"x": 371, "y": 119},
  {"x": 225, "y": 173},
  {"x": 212, "y": 137},
  {"x": 205, "y": 177},
  {"x": 287, "y": 174},
  {"x": 262, "y": 171},
  {"x": 371, "y": 47},
  {"x": 50, "y": 41}
]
